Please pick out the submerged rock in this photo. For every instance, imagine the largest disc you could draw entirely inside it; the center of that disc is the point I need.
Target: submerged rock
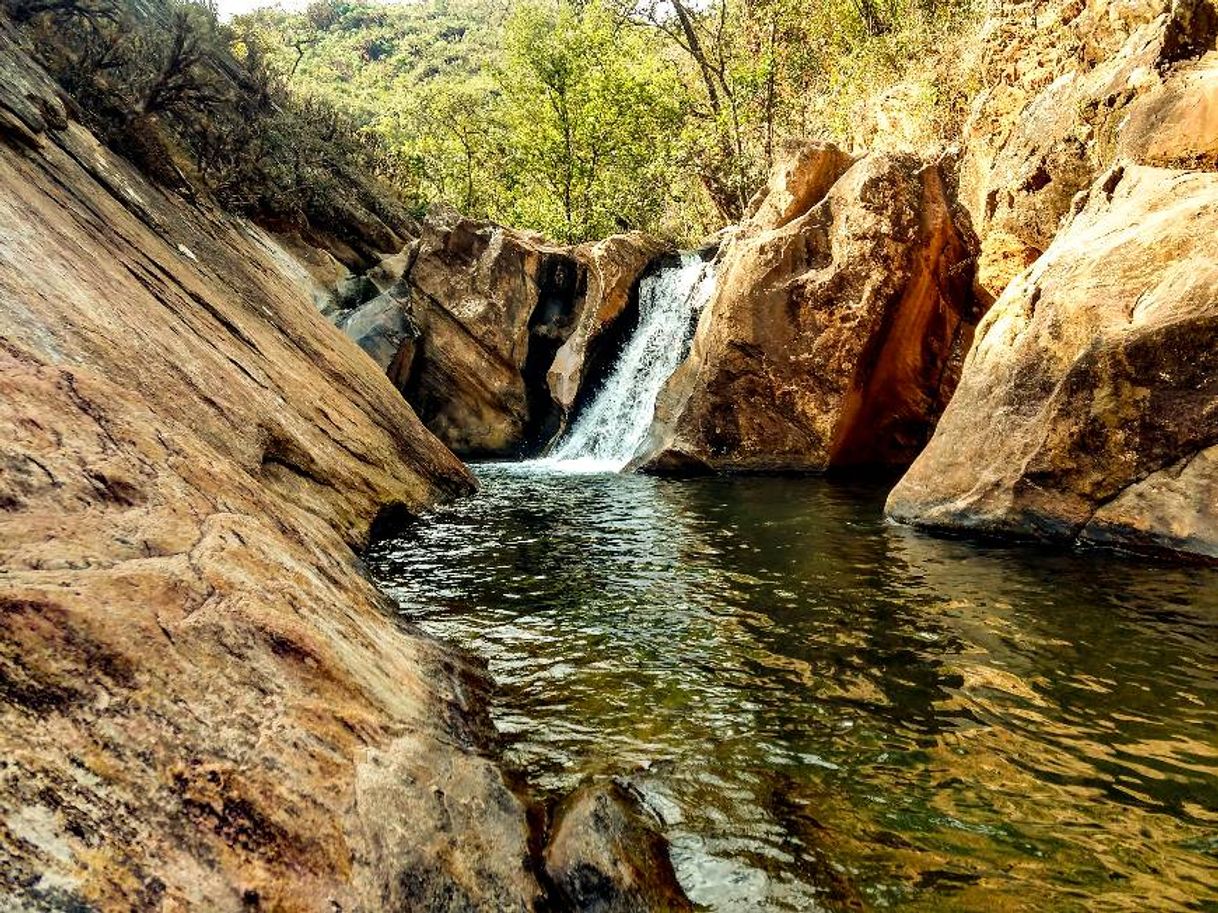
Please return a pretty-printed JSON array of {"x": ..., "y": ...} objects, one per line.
[
  {"x": 1088, "y": 408},
  {"x": 835, "y": 333},
  {"x": 204, "y": 703},
  {"x": 605, "y": 855}
]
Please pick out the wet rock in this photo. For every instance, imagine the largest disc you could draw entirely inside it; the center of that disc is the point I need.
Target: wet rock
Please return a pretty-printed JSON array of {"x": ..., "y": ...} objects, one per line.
[
  {"x": 840, "y": 316},
  {"x": 201, "y": 694},
  {"x": 605, "y": 855},
  {"x": 1088, "y": 407}
]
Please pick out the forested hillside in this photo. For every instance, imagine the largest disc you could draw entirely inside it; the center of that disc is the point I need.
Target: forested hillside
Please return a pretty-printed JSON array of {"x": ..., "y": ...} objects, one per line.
[{"x": 580, "y": 119}]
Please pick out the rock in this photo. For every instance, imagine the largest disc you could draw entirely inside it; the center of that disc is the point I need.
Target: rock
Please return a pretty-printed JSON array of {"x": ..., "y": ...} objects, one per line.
[
  {"x": 614, "y": 266},
  {"x": 354, "y": 291},
  {"x": 487, "y": 300},
  {"x": 449, "y": 834},
  {"x": 605, "y": 855},
  {"x": 204, "y": 703},
  {"x": 801, "y": 178},
  {"x": 840, "y": 316},
  {"x": 1073, "y": 85},
  {"x": 494, "y": 308},
  {"x": 382, "y": 327},
  {"x": 1088, "y": 407}
]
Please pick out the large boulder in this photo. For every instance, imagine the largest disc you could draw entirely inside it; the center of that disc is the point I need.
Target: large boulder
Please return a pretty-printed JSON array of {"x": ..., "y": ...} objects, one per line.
[
  {"x": 204, "y": 703},
  {"x": 606, "y": 855},
  {"x": 1070, "y": 87},
  {"x": 488, "y": 302},
  {"x": 841, "y": 313},
  {"x": 489, "y": 332},
  {"x": 1088, "y": 408}
]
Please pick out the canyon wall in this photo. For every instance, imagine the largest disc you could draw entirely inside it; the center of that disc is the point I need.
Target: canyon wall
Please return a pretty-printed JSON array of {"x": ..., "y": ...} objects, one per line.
[
  {"x": 204, "y": 704},
  {"x": 1088, "y": 407},
  {"x": 489, "y": 332},
  {"x": 841, "y": 313}
]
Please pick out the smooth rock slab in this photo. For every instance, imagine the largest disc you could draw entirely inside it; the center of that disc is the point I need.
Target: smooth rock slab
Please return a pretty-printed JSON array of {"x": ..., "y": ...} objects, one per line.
[
  {"x": 605, "y": 855},
  {"x": 1088, "y": 407}
]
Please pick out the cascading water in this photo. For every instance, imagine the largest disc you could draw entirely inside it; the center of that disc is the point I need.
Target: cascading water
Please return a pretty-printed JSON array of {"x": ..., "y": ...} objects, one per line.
[{"x": 612, "y": 428}]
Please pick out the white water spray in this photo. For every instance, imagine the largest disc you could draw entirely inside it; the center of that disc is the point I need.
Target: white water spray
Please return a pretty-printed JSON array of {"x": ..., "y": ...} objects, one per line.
[{"x": 612, "y": 428}]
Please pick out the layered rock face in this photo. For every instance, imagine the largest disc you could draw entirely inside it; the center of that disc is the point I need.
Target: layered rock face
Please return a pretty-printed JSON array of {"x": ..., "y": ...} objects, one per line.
[
  {"x": 204, "y": 705},
  {"x": 1089, "y": 407},
  {"x": 1089, "y": 404},
  {"x": 834, "y": 336},
  {"x": 1073, "y": 86},
  {"x": 488, "y": 332}
]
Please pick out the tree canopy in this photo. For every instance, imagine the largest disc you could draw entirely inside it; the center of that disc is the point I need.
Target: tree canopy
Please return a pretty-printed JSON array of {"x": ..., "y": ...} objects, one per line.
[
  {"x": 581, "y": 117},
  {"x": 576, "y": 118}
]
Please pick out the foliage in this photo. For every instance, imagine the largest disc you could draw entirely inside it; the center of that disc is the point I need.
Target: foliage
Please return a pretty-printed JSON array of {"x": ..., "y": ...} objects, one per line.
[
  {"x": 579, "y": 117},
  {"x": 573, "y": 117},
  {"x": 202, "y": 107}
]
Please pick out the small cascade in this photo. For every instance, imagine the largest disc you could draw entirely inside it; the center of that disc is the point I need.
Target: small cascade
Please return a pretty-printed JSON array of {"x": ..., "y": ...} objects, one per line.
[{"x": 613, "y": 426}]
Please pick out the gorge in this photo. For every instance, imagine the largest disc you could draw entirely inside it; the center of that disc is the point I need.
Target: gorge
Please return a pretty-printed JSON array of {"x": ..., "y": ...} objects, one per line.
[{"x": 862, "y": 557}]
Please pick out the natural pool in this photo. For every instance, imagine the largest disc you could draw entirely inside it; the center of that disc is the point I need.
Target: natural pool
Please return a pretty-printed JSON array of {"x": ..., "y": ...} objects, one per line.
[{"x": 828, "y": 711}]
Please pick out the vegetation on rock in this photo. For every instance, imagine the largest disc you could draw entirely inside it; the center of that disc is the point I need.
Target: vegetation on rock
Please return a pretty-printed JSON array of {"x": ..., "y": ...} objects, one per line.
[
  {"x": 582, "y": 119},
  {"x": 203, "y": 108}
]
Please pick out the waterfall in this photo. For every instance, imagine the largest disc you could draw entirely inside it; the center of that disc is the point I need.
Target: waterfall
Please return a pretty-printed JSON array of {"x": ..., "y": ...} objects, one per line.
[{"x": 613, "y": 426}]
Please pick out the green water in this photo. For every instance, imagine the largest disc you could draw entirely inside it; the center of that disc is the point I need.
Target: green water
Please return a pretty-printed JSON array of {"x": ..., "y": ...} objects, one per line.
[{"x": 830, "y": 712}]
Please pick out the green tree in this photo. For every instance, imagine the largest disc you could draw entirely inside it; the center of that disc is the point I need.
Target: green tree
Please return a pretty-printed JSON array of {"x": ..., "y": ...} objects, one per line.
[{"x": 590, "y": 112}]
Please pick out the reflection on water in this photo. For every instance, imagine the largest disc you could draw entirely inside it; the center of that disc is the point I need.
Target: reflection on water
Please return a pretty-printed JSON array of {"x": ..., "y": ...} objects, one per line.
[{"x": 831, "y": 712}]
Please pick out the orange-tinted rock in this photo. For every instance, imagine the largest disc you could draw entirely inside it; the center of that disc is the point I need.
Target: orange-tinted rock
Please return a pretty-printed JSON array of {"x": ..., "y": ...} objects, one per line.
[
  {"x": 606, "y": 855},
  {"x": 1088, "y": 406},
  {"x": 504, "y": 324},
  {"x": 834, "y": 335},
  {"x": 200, "y": 692},
  {"x": 1071, "y": 87}
]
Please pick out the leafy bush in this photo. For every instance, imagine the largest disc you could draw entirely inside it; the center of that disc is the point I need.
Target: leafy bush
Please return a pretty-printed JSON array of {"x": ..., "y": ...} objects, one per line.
[{"x": 202, "y": 107}]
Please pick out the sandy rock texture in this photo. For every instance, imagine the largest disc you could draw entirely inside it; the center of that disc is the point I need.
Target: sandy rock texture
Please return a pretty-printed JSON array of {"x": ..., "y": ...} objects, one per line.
[
  {"x": 606, "y": 855},
  {"x": 204, "y": 704},
  {"x": 841, "y": 313},
  {"x": 1070, "y": 87},
  {"x": 489, "y": 332},
  {"x": 1088, "y": 408}
]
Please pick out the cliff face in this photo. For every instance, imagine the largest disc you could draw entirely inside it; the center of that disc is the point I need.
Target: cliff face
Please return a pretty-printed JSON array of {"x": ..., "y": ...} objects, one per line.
[
  {"x": 203, "y": 702},
  {"x": 836, "y": 330},
  {"x": 490, "y": 333},
  {"x": 1088, "y": 407}
]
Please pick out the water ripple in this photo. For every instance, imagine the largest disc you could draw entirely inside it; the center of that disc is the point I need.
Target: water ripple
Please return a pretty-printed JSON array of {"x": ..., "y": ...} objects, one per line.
[{"x": 830, "y": 712}]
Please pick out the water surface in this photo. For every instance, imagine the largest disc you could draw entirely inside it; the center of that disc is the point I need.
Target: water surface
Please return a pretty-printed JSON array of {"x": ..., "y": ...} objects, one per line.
[{"x": 829, "y": 712}]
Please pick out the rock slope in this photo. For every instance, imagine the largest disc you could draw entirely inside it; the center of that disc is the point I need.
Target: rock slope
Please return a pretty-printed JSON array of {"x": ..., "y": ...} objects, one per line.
[
  {"x": 1070, "y": 87},
  {"x": 203, "y": 702}
]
